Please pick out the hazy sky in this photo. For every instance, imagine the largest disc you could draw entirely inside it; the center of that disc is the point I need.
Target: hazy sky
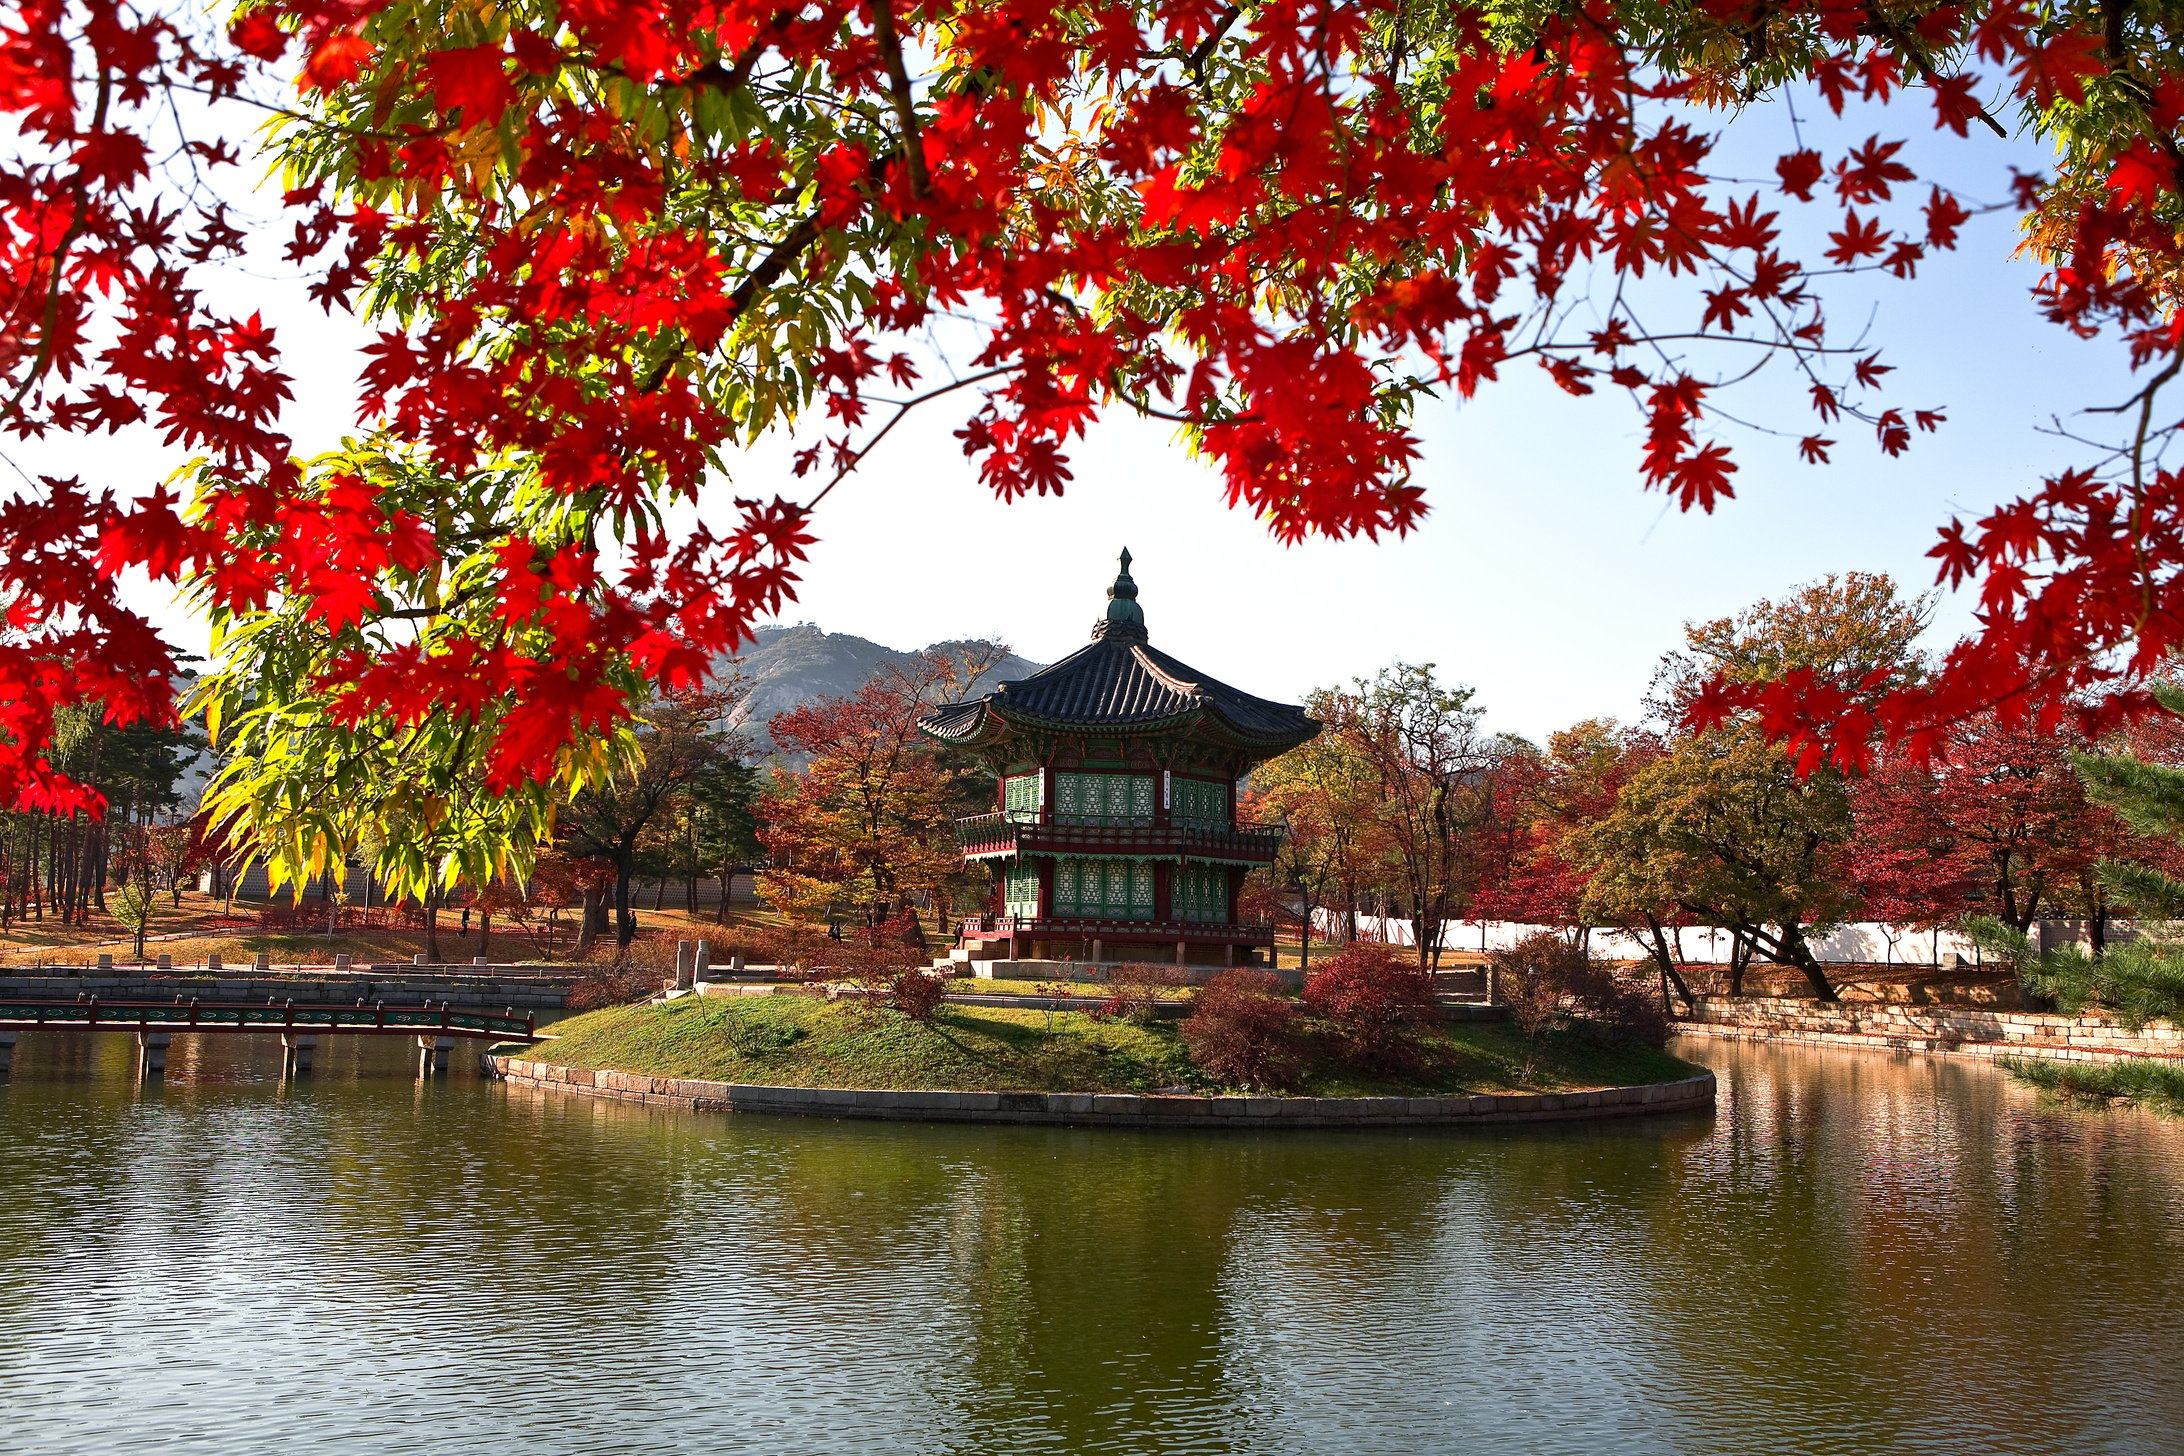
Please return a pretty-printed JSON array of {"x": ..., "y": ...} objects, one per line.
[{"x": 1544, "y": 577}]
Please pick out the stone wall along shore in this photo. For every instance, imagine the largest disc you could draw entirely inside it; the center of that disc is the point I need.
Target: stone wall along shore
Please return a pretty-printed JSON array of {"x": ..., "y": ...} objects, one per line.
[
  {"x": 1091, "y": 1109},
  {"x": 1974, "y": 1031}
]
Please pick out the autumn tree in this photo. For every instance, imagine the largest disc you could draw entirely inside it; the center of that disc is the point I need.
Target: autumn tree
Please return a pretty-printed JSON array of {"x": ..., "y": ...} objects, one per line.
[
  {"x": 1430, "y": 772},
  {"x": 2142, "y": 979},
  {"x": 868, "y": 821},
  {"x": 1997, "y": 823},
  {"x": 1723, "y": 829},
  {"x": 683, "y": 747},
  {"x": 1726, "y": 827},
  {"x": 1543, "y": 799},
  {"x": 1326, "y": 794}
]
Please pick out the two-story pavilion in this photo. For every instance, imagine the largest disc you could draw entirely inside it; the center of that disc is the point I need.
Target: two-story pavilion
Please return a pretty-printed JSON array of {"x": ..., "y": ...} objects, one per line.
[{"x": 1117, "y": 837}]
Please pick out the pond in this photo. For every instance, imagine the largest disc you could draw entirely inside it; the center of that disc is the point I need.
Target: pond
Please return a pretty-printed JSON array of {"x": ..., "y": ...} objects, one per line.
[{"x": 1858, "y": 1253}]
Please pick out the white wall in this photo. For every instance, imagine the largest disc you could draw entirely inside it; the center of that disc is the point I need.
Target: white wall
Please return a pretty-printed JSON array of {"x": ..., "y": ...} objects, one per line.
[{"x": 1868, "y": 942}]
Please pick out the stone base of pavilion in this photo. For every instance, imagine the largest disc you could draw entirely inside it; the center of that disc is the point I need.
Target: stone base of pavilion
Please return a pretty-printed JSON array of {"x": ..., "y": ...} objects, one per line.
[{"x": 1071, "y": 969}]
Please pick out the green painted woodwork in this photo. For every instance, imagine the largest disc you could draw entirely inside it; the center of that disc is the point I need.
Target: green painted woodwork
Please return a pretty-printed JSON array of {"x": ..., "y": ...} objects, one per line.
[
  {"x": 1199, "y": 892},
  {"x": 1103, "y": 798},
  {"x": 1023, "y": 797},
  {"x": 1020, "y": 888},
  {"x": 1198, "y": 803},
  {"x": 1106, "y": 889}
]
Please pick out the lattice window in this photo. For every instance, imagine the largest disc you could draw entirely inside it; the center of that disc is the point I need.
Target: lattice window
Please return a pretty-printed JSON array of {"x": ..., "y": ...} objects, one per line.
[
  {"x": 1021, "y": 888},
  {"x": 1199, "y": 802},
  {"x": 1104, "y": 889},
  {"x": 1201, "y": 893},
  {"x": 1103, "y": 798},
  {"x": 1022, "y": 797}
]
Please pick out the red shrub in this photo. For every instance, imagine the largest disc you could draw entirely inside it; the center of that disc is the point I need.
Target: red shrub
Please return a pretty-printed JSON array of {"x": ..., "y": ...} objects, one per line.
[
  {"x": 917, "y": 994},
  {"x": 1244, "y": 1031},
  {"x": 1554, "y": 989},
  {"x": 1375, "y": 998},
  {"x": 613, "y": 985}
]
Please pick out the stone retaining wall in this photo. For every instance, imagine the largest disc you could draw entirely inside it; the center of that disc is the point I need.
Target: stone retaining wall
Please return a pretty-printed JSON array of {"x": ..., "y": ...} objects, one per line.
[
  {"x": 1974, "y": 1031},
  {"x": 483, "y": 990},
  {"x": 1106, "y": 1109}
]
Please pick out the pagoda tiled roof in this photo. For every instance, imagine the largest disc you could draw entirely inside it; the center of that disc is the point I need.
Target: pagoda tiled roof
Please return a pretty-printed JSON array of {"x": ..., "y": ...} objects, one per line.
[{"x": 1120, "y": 682}]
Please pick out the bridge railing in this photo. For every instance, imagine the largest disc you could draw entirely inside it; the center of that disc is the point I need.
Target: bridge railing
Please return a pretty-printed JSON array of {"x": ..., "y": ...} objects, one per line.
[{"x": 198, "y": 1014}]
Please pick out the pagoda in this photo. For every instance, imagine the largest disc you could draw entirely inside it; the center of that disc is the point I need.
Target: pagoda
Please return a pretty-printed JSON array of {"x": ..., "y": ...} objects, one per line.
[{"x": 1116, "y": 836}]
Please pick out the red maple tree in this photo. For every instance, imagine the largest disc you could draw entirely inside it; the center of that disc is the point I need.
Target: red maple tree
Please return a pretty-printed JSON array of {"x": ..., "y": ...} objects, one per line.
[
  {"x": 604, "y": 240},
  {"x": 1998, "y": 825}
]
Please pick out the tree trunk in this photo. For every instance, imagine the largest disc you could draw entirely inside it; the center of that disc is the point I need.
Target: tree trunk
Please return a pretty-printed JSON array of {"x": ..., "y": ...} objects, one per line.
[
  {"x": 1669, "y": 974},
  {"x": 432, "y": 926},
  {"x": 590, "y": 919},
  {"x": 1740, "y": 956},
  {"x": 1801, "y": 956},
  {"x": 659, "y": 894},
  {"x": 625, "y": 918}
]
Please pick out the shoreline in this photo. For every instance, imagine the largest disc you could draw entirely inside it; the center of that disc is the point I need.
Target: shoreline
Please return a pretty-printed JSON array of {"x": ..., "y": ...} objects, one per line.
[
  {"x": 1103, "y": 1109},
  {"x": 1979, "y": 1032}
]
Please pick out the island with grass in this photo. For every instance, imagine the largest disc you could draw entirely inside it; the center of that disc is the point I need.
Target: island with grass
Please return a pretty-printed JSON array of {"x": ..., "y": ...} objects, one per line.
[{"x": 1369, "y": 1047}]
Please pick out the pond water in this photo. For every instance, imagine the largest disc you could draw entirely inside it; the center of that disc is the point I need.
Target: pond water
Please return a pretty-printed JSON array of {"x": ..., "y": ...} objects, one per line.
[{"x": 1858, "y": 1253}]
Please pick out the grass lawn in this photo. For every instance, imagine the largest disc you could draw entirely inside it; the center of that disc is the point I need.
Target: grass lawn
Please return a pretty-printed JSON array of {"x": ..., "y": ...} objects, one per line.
[
  {"x": 2155, "y": 1083},
  {"x": 799, "y": 1041}
]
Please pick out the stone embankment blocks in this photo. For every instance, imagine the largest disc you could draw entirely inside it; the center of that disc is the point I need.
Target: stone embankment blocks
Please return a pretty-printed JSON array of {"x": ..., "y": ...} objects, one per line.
[
  {"x": 1101, "y": 1109},
  {"x": 1973, "y": 1031}
]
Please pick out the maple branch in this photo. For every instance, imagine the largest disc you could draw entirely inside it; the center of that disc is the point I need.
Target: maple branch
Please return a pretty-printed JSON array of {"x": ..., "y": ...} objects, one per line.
[
  {"x": 898, "y": 79},
  {"x": 850, "y": 462},
  {"x": 50, "y": 319},
  {"x": 763, "y": 275},
  {"x": 1881, "y": 28},
  {"x": 735, "y": 77},
  {"x": 1203, "y": 51}
]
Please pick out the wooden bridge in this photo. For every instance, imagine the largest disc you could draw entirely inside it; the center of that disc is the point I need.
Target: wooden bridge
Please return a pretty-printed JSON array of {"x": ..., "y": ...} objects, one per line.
[{"x": 299, "y": 1024}]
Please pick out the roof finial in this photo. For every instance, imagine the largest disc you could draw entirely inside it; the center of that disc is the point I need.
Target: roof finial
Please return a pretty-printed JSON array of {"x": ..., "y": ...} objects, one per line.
[{"x": 1125, "y": 618}]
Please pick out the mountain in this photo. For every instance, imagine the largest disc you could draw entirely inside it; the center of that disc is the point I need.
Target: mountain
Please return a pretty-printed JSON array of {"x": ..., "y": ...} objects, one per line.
[{"x": 788, "y": 666}]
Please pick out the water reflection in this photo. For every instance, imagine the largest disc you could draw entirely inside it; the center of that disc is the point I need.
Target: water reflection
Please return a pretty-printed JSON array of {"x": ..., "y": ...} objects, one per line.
[{"x": 1859, "y": 1253}]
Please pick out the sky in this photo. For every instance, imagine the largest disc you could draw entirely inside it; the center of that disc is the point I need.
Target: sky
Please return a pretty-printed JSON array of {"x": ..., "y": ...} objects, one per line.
[{"x": 1544, "y": 577}]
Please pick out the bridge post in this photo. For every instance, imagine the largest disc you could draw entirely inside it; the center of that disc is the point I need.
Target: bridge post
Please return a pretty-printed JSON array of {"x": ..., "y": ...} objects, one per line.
[
  {"x": 152, "y": 1054},
  {"x": 701, "y": 963},
  {"x": 432, "y": 1055},
  {"x": 212, "y": 962},
  {"x": 682, "y": 966},
  {"x": 263, "y": 961},
  {"x": 297, "y": 1050},
  {"x": 106, "y": 961},
  {"x": 7, "y": 1051},
  {"x": 341, "y": 962}
]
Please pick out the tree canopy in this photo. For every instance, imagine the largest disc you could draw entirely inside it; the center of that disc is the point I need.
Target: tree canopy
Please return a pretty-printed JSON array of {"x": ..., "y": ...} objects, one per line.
[{"x": 601, "y": 242}]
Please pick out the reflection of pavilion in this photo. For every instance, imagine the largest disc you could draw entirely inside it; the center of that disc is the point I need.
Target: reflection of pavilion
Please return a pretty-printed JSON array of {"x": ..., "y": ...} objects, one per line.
[{"x": 1116, "y": 837}]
